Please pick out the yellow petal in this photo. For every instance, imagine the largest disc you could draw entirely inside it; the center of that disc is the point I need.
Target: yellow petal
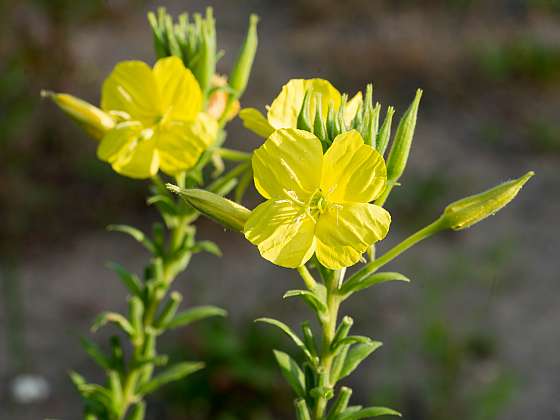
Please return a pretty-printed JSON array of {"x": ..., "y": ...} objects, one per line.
[
  {"x": 117, "y": 139},
  {"x": 180, "y": 144},
  {"x": 131, "y": 88},
  {"x": 181, "y": 97},
  {"x": 283, "y": 233},
  {"x": 352, "y": 107},
  {"x": 288, "y": 165},
  {"x": 256, "y": 122},
  {"x": 345, "y": 231},
  {"x": 284, "y": 110},
  {"x": 352, "y": 171}
]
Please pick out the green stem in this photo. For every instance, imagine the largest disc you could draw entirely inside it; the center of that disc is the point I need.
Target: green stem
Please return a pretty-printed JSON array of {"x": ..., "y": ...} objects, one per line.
[
  {"x": 328, "y": 325},
  {"x": 307, "y": 277},
  {"x": 233, "y": 155},
  {"x": 399, "y": 249}
]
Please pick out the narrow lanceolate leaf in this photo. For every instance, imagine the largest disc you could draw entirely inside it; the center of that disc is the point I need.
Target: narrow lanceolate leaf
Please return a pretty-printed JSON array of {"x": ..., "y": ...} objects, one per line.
[
  {"x": 352, "y": 339},
  {"x": 195, "y": 314},
  {"x": 356, "y": 355},
  {"x": 288, "y": 331},
  {"x": 95, "y": 353},
  {"x": 115, "y": 318},
  {"x": 130, "y": 281},
  {"x": 369, "y": 412},
  {"x": 292, "y": 372},
  {"x": 137, "y": 234},
  {"x": 309, "y": 297},
  {"x": 207, "y": 246},
  {"x": 171, "y": 374},
  {"x": 356, "y": 284},
  {"x": 137, "y": 412}
]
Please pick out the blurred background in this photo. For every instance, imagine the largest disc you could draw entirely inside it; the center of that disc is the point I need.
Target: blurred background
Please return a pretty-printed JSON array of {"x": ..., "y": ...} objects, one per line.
[{"x": 475, "y": 336}]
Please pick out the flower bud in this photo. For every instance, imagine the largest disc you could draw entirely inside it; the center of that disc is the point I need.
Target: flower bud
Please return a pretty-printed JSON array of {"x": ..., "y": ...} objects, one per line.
[
  {"x": 470, "y": 210},
  {"x": 93, "y": 120},
  {"x": 242, "y": 67},
  {"x": 215, "y": 207},
  {"x": 398, "y": 156}
]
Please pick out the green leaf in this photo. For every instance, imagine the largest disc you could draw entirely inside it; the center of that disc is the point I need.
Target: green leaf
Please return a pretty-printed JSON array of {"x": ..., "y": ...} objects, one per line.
[
  {"x": 130, "y": 281},
  {"x": 194, "y": 314},
  {"x": 353, "y": 339},
  {"x": 207, "y": 246},
  {"x": 356, "y": 355},
  {"x": 357, "y": 283},
  {"x": 171, "y": 374},
  {"x": 137, "y": 412},
  {"x": 115, "y": 318},
  {"x": 288, "y": 331},
  {"x": 164, "y": 203},
  {"x": 365, "y": 413},
  {"x": 95, "y": 353},
  {"x": 309, "y": 297},
  {"x": 136, "y": 234},
  {"x": 302, "y": 412},
  {"x": 292, "y": 372}
]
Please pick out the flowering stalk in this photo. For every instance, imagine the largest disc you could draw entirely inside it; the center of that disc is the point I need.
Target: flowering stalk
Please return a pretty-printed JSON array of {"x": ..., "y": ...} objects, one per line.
[
  {"x": 166, "y": 119},
  {"x": 319, "y": 171}
]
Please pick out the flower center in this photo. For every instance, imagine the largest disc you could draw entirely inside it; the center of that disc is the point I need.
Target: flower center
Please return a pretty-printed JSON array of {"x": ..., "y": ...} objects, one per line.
[{"x": 317, "y": 204}]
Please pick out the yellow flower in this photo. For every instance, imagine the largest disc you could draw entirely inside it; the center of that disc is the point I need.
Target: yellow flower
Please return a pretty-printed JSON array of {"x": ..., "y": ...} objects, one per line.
[
  {"x": 162, "y": 126},
  {"x": 317, "y": 203},
  {"x": 284, "y": 110}
]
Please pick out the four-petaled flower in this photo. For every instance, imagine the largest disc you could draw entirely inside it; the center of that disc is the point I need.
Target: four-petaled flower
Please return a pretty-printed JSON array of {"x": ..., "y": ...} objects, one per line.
[
  {"x": 317, "y": 203},
  {"x": 161, "y": 124},
  {"x": 284, "y": 110}
]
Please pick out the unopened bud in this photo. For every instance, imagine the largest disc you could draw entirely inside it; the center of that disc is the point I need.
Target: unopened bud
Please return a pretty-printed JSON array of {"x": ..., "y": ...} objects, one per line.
[
  {"x": 93, "y": 120},
  {"x": 215, "y": 207},
  {"x": 470, "y": 210},
  {"x": 242, "y": 67}
]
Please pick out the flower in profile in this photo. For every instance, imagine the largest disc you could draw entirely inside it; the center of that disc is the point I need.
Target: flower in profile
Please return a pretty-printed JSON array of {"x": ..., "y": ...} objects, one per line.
[
  {"x": 317, "y": 203},
  {"x": 161, "y": 125},
  {"x": 284, "y": 110}
]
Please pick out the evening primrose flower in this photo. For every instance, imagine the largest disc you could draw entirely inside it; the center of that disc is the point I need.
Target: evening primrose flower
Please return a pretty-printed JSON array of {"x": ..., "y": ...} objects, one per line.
[
  {"x": 317, "y": 203},
  {"x": 161, "y": 124},
  {"x": 284, "y": 110}
]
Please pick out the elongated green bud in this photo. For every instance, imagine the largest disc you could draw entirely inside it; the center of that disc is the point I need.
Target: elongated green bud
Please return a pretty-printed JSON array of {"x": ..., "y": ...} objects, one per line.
[
  {"x": 220, "y": 209},
  {"x": 398, "y": 156},
  {"x": 470, "y": 210},
  {"x": 385, "y": 131},
  {"x": 93, "y": 120},
  {"x": 205, "y": 66},
  {"x": 242, "y": 67},
  {"x": 304, "y": 117},
  {"x": 331, "y": 123}
]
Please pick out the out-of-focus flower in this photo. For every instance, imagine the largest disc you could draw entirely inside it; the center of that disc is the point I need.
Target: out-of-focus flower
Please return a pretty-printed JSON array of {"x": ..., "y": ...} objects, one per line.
[
  {"x": 161, "y": 125},
  {"x": 284, "y": 110},
  {"x": 317, "y": 203},
  {"x": 217, "y": 101}
]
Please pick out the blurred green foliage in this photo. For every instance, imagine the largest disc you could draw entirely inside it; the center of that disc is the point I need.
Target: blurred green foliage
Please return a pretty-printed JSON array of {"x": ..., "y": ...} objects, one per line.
[{"x": 241, "y": 379}]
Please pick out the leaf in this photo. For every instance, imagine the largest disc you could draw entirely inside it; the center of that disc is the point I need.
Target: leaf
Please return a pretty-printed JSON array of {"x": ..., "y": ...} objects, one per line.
[
  {"x": 302, "y": 412},
  {"x": 115, "y": 318},
  {"x": 136, "y": 234},
  {"x": 353, "y": 339},
  {"x": 207, "y": 246},
  {"x": 309, "y": 297},
  {"x": 164, "y": 203},
  {"x": 356, "y": 355},
  {"x": 171, "y": 374},
  {"x": 195, "y": 314},
  {"x": 91, "y": 392},
  {"x": 130, "y": 281},
  {"x": 288, "y": 331},
  {"x": 292, "y": 372},
  {"x": 354, "y": 285},
  {"x": 365, "y": 413},
  {"x": 95, "y": 353},
  {"x": 243, "y": 184}
]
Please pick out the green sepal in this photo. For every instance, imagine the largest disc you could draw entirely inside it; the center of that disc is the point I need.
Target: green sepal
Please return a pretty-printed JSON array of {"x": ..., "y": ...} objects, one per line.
[
  {"x": 194, "y": 314},
  {"x": 291, "y": 372},
  {"x": 171, "y": 374},
  {"x": 304, "y": 117}
]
